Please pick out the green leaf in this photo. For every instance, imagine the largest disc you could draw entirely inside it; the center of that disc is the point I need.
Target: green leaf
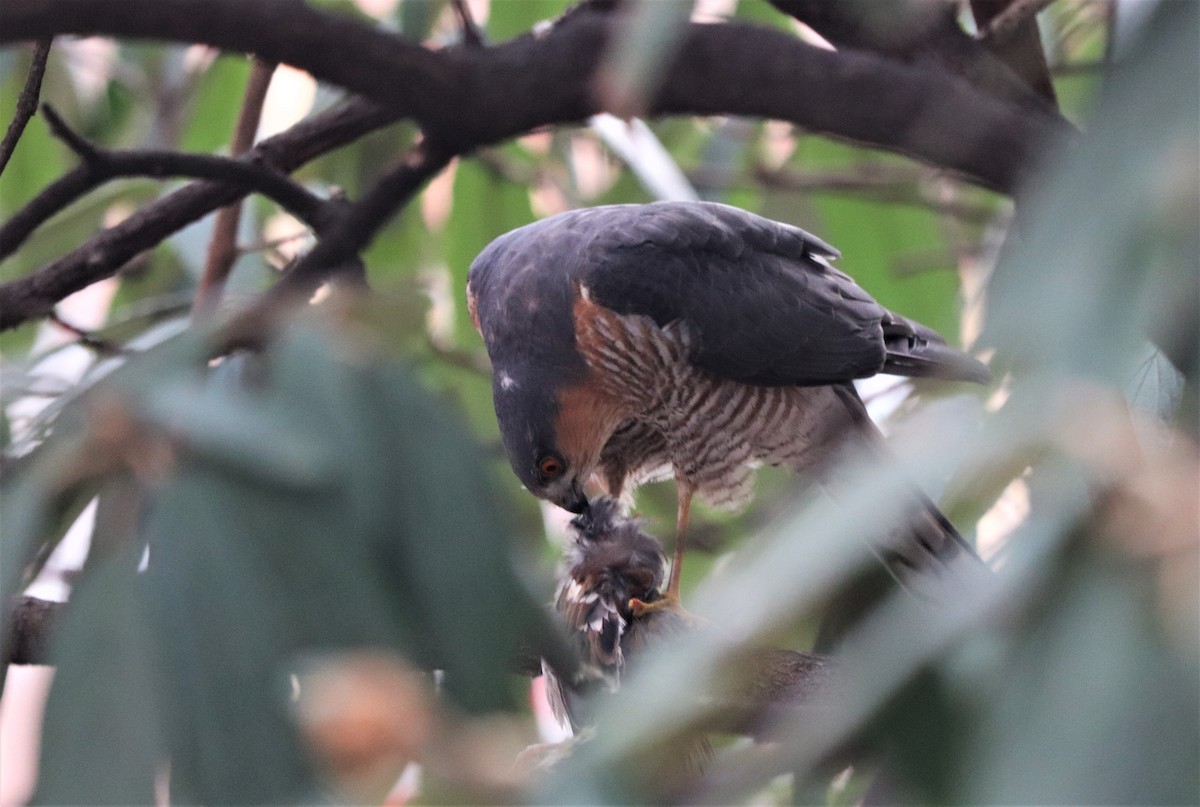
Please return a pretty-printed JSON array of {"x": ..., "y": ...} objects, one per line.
[
  {"x": 215, "y": 105},
  {"x": 509, "y": 18},
  {"x": 485, "y": 207},
  {"x": 101, "y": 733}
]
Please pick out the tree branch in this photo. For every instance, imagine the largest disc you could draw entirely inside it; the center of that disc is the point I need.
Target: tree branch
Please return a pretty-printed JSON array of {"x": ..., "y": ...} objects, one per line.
[
  {"x": 762, "y": 683},
  {"x": 872, "y": 182},
  {"x": 27, "y": 102},
  {"x": 1021, "y": 49},
  {"x": 354, "y": 230},
  {"x": 1013, "y": 18},
  {"x": 105, "y": 253},
  {"x": 914, "y": 31},
  {"x": 99, "y": 165},
  {"x": 467, "y": 97},
  {"x": 30, "y": 626},
  {"x": 222, "y": 249}
]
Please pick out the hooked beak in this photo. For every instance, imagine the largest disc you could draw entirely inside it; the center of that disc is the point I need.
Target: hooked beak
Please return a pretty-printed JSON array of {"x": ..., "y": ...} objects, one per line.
[{"x": 574, "y": 501}]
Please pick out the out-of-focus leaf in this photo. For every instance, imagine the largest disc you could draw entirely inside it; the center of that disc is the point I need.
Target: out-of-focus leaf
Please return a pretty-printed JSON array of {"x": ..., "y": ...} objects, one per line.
[
  {"x": 416, "y": 17},
  {"x": 315, "y": 500},
  {"x": 1090, "y": 706},
  {"x": 485, "y": 206},
  {"x": 40, "y": 500},
  {"x": 1094, "y": 273},
  {"x": 644, "y": 49},
  {"x": 763, "y": 13},
  {"x": 100, "y": 738}
]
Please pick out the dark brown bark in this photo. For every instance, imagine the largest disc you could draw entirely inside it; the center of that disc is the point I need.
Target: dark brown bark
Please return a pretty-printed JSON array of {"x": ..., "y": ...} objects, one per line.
[
  {"x": 467, "y": 97},
  {"x": 105, "y": 253},
  {"x": 31, "y": 625},
  {"x": 470, "y": 96},
  {"x": 222, "y": 249},
  {"x": 27, "y": 102},
  {"x": 1020, "y": 49}
]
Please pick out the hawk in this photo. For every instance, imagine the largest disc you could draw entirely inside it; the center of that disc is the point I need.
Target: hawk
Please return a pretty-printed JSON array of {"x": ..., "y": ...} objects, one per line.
[{"x": 688, "y": 339}]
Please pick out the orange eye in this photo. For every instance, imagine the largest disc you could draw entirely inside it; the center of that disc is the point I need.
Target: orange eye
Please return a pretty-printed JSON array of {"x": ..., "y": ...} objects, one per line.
[{"x": 550, "y": 467}]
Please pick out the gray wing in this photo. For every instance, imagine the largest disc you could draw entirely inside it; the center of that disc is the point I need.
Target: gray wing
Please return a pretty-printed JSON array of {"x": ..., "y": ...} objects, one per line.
[{"x": 761, "y": 296}]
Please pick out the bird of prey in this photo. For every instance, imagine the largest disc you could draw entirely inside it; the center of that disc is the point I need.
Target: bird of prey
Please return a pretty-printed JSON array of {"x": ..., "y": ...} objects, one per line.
[{"x": 692, "y": 339}]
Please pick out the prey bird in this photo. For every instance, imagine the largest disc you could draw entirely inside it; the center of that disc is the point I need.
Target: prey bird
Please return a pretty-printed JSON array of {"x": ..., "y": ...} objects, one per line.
[
  {"x": 694, "y": 340},
  {"x": 613, "y": 569}
]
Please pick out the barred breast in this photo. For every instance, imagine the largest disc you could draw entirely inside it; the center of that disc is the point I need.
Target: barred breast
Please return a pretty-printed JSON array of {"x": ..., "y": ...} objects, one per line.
[{"x": 711, "y": 431}]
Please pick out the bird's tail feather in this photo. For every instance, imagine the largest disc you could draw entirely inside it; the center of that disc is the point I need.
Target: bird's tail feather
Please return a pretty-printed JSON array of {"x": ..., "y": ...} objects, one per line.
[
  {"x": 917, "y": 351},
  {"x": 923, "y": 539}
]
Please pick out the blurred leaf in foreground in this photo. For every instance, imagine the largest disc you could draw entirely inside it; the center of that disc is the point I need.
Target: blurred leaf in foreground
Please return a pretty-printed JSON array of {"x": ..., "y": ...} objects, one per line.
[{"x": 308, "y": 501}]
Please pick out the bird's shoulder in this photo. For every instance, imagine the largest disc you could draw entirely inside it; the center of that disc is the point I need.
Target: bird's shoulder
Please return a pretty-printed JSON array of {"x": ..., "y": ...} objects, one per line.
[{"x": 762, "y": 297}]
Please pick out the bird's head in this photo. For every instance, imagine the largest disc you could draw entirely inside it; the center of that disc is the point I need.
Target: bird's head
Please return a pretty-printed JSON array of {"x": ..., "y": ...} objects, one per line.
[
  {"x": 552, "y": 436},
  {"x": 527, "y": 411}
]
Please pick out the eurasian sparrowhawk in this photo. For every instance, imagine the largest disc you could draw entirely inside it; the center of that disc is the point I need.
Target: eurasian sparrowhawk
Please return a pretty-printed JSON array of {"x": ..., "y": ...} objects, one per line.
[{"x": 696, "y": 339}]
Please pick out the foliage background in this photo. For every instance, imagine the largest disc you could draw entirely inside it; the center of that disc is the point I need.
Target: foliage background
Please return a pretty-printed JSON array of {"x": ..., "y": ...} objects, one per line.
[{"x": 321, "y": 500}]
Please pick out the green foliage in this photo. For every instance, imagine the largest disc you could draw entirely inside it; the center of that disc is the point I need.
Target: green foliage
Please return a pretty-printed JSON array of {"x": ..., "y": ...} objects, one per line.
[
  {"x": 313, "y": 500},
  {"x": 510, "y": 18},
  {"x": 212, "y": 115},
  {"x": 318, "y": 498}
]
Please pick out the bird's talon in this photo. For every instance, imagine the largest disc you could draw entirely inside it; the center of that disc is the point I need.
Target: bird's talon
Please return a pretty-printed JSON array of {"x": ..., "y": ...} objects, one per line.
[{"x": 640, "y": 608}]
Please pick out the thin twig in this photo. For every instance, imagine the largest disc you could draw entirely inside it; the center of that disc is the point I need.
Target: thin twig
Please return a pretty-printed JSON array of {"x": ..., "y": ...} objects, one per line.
[
  {"x": 87, "y": 338},
  {"x": 105, "y": 253},
  {"x": 27, "y": 102},
  {"x": 222, "y": 250},
  {"x": 1006, "y": 23},
  {"x": 889, "y": 186},
  {"x": 274, "y": 243},
  {"x": 101, "y": 165},
  {"x": 475, "y": 361},
  {"x": 337, "y": 251},
  {"x": 472, "y": 36},
  {"x": 84, "y": 149},
  {"x": 1076, "y": 68},
  {"x": 360, "y": 221}
]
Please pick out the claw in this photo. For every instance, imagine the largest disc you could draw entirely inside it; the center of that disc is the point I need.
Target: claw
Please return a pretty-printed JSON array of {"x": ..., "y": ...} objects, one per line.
[{"x": 665, "y": 604}]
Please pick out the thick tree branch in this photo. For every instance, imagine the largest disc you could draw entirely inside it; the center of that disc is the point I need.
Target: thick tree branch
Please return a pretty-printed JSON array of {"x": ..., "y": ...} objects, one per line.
[
  {"x": 762, "y": 684},
  {"x": 466, "y": 97},
  {"x": 915, "y": 31},
  {"x": 99, "y": 165},
  {"x": 1021, "y": 49},
  {"x": 27, "y": 102},
  {"x": 1011, "y": 20},
  {"x": 104, "y": 254}
]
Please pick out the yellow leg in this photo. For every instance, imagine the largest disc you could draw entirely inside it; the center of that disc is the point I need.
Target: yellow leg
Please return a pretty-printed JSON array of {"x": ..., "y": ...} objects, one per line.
[
  {"x": 684, "y": 493},
  {"x": 670, "y": 598}
]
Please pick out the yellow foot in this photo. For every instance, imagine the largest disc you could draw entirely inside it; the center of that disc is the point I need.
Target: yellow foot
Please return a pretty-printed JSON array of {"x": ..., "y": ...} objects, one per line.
[{"x": 667, "y": 604}]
